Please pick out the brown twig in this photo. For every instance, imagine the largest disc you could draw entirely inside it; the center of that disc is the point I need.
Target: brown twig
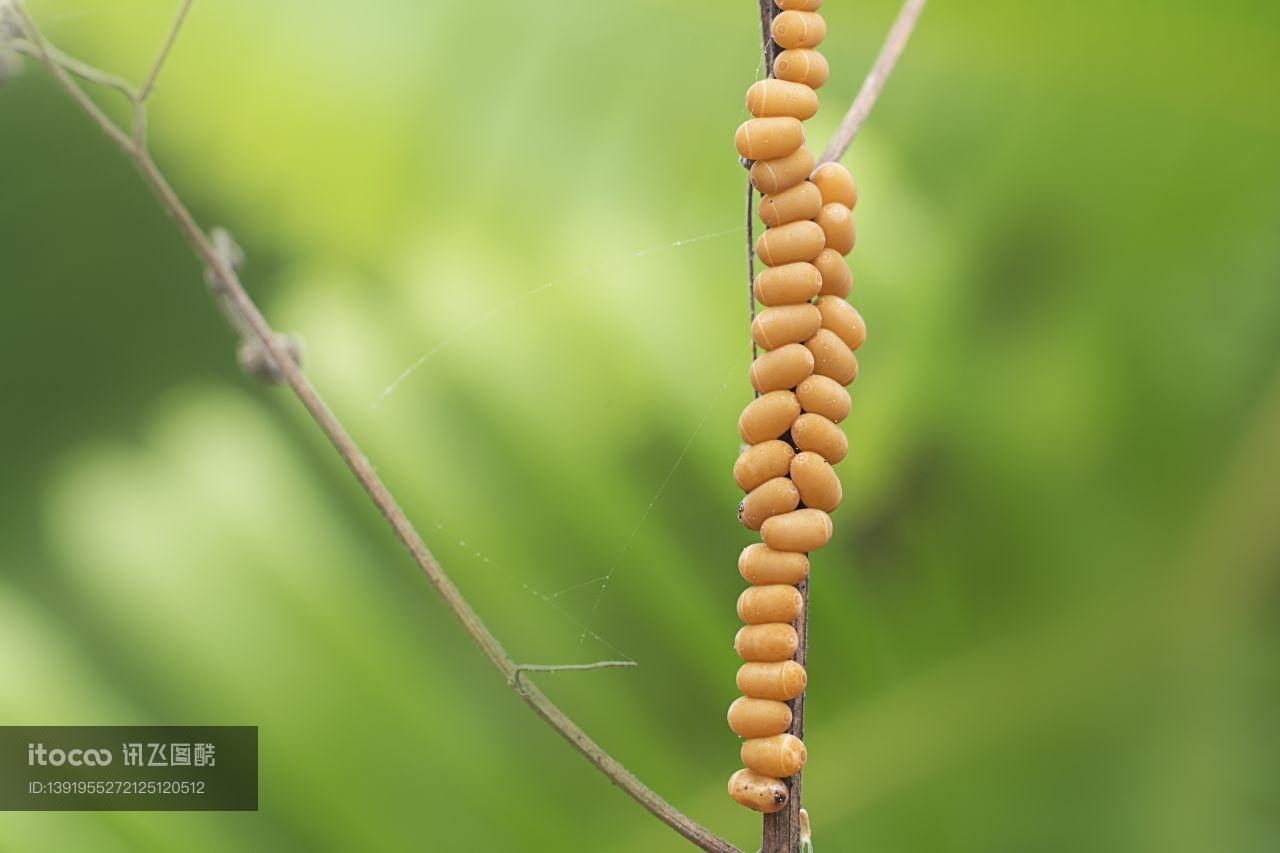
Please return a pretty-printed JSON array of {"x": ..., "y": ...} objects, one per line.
[
  {"x": 149, "y": 85},
  {"x": 780, "y": 831},
  {"x": 892, "y": 48},
  {"x": 768, "y": 50},
  {"x": 222, "y": 271}
]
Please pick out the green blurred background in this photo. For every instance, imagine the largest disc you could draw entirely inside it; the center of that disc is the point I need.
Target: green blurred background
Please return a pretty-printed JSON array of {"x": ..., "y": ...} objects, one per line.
[{"x": 1048, "y": 621}]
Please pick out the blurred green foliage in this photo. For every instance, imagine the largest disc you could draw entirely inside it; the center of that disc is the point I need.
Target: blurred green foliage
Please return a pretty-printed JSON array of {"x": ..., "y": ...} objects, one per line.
[{"x": 1048, "y": 620}]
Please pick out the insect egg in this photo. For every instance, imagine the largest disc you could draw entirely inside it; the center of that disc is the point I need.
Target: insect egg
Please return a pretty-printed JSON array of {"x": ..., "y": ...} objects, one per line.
[
  {"x": 762, "y": 462},
  {"x": 843, "y": 319},
  {"x": 762, "y": 793},
  {"x": 793, "y": 29},
  {"x": 837, "y": 279},
  {"x": 769, "y": 138},
  {"x": 803, "y": 201},
  {"x": 770, "y": 642},
  {"x": 758, "y": 717},
  {"x": 759, "y": 564},
  {"x": 785, "y": 324},
  {"x": 783, "y": 681},
  {"x": 799, "y": 530},
  {"x": 784, "y": 367},
  {"x": 779, "y": 755},
  {"x": 836, "y": 222},
  {"x": 769, "y": 603},
  {"x": 768, "y": 416},
  {"x": 835, "y": 184},
  {"x": 795, "y": 241},
  {"x": 816, "y": 480},
  {"x": 775, "y": 497},
  {"x": 802, "y": 66},
  {"x": 816, "y": 433},
  {"x": 782, "y": 173},
  {"x": 831, "y": 357},
  {"x": 787, "y": 284},
  {"x": 824, "y": 396},
  {"x": 782, "y": 98}
]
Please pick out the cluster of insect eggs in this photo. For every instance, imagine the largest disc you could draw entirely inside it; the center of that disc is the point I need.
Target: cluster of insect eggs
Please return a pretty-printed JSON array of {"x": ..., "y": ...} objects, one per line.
[{"x": 809, "y": 334}]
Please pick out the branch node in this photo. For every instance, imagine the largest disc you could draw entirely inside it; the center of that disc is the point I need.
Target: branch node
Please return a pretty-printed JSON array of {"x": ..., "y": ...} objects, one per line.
[
  {"x": 256, "y": 361},
  {"x": 227, "y": 247}
]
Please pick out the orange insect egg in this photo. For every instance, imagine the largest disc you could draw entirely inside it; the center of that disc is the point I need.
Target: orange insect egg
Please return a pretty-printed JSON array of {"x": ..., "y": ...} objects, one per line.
[
  {"x": 824, "y": 396},
  {"x": 816, "y": 433},
  {"x": 836, "y": 222},
  {"x": 775, "y": 497},
  {"x": 816, "y": 480},
  {"x": 772, "y": 642},
  {"x": 802, "y": 66},
  {"x": 803, "y": 201},
  {"x": 762, "y": 462},
  {"x": 769, "y": 603},
  {"x": 769, "y": 138},
  {"x": 759, "y": 564},
  {"x": 832, "y": 357},
  {"x": 837, "y": 279},
  {"x": 784, "y": 367},
  {"x": 782, "y": 173},
  {"x": 788, "y": 284},
  {"x": 843, "y": 319},
  {"x": 768, "y": 416},
  {"x": 758, "y": 717},
  {"x": 785, "y": 324},
  {"x": 787, "y": 244},
  {"x": 801, "y": 5},
  {"x": 836, "y": 185},
  {"x": 795, "y": 29},
  {"x": 782, "y": 681},
  {"x": 779, "y": 755},
  {"x": 761, "y": 793},
  {"x": 799, "y": 530},
  {"x": 782, "y": 98}
]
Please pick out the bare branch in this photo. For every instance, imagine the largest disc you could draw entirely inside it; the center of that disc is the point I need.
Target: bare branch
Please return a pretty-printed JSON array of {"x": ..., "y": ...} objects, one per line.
[
  {"x": 77, "y": 68},
  {"x": 49, "y": 56},
  {"x": 221, "y": 269},
  {"x": 768, "y": 50},
  {"x": 893, "y": 46},
  {"x": 572, "y": 667},
  {"x": 569, "y": 667},
  {"x": 149, "y": 85}
]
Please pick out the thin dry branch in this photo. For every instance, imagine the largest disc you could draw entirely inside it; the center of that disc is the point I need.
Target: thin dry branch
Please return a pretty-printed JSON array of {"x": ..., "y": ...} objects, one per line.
[
  {"x": 570, "y": 667},
  {"x": 149, "y": 85},
  {"x": 220, "y": 269},
  {"x": 80, "y": 69},
  {"x": 894, "y": 44}
]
